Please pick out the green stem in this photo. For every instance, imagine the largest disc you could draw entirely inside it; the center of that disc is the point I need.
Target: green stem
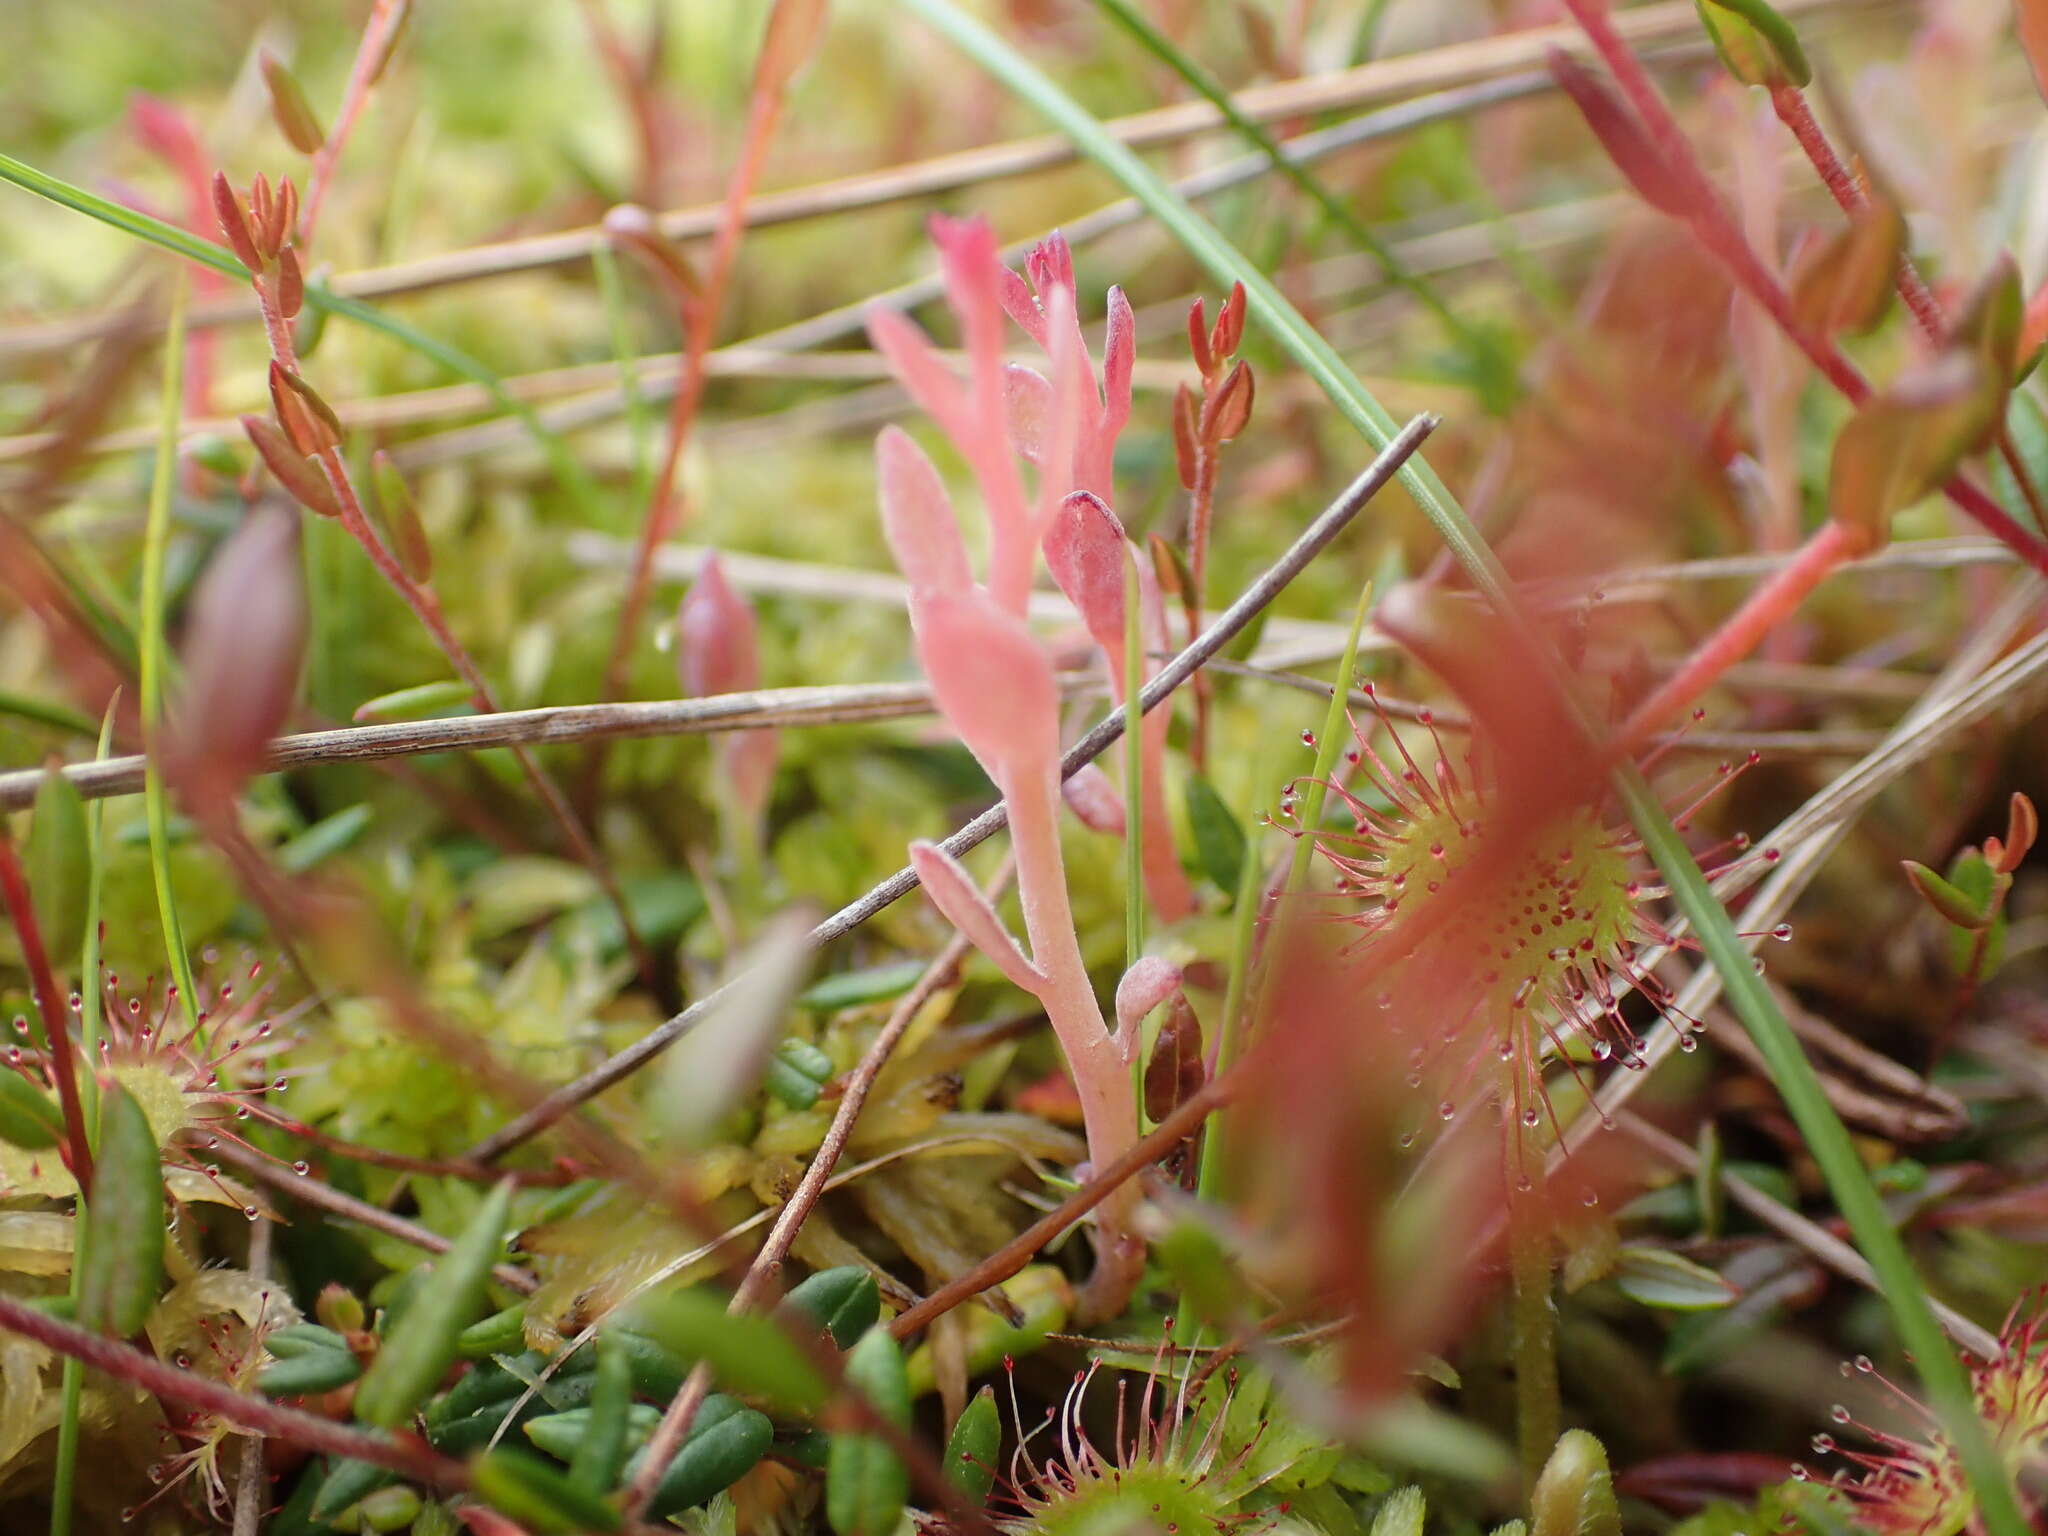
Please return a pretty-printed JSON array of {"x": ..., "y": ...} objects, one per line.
[
  {"x": 1533, "y": 1317},
  {"x": 155, "y": 539},
  {"x": 1942, "y": 1374},
  {"x": 1134, "y": 801},
  {"x": 1336, "y": 725}
]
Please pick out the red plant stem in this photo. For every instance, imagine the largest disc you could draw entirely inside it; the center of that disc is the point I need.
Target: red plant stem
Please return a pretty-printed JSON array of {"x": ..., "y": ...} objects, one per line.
[
  {"x": 702, "y": 317},
  {"x": 1716, "y": 229},
  {"x": 1790, "y": 104},
  {"x": 406, "y": 1455},
  {"x": 380, "y": 34},
  {"x": 1766, "y": 607},
  {"x": 56, "y": 1033}
]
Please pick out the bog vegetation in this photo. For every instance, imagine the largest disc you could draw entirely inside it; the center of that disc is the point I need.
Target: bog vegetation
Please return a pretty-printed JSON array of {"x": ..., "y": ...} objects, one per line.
[{"x": 1049, "y": 767}]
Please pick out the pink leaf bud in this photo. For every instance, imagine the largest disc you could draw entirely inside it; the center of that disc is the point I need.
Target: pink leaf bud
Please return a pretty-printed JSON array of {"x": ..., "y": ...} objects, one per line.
[
  {"x": 1028, "y": 404},
  {"x": 960, "y": 901},
  {"x": 1084, "y": 550},
  {"x": 1094, "y": 801},
  {"x": 718, "y": 639}
]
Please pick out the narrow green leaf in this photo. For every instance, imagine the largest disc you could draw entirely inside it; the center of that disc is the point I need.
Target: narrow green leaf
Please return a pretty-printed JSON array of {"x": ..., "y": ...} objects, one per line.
[
  {"x": 500, "y": 1333},
  {"x": 1219, "y": 840},
  {"x": 747, "y": 1354},
  {"x": 972, "y": 1448},
  {"x": 347, "y": 1483},
  {"x": 1964, "y": 908},
  {"x": 853, "y": 989},
  {"x": 29, "y": 1119},
  {"x": 797, "y": 1073},
  {"x": 538, "y": 1496},
  {"x": 1656, "y": 1277},
  {"x": 866, "y": 1484},
  {"x": 59, "y": 865},
  {"x": 309, "y": 1374},
  {"x": 601, "y": 1455},
  {"x": 1757, "y": 45},
  {"x": 325, "y": 838},
  {"x": 422, "y": 1344},
  {"x": 844, "y": 1301},
  {"x": 124, "y": 1262},
  {"x": 726, "y": 1442},
  {"x": 422, "y": 701}
]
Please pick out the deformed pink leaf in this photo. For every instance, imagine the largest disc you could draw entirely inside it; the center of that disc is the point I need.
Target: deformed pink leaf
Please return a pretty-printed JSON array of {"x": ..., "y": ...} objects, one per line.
[
  {"x": 960, "y": 901},
  {"x": 1094, "y": 801},
  {"x": 917, "y": 516},
  {"x": 993, "y": 683},
  {"x": 791, "y": 38},
  {"x": 749, "y": 759},
  {"x": 1119, "y": 356},
  {"x": 1144, "y": 987},
  {"x": 718, "y": 639},
  {"x": 916, "y": 365}
]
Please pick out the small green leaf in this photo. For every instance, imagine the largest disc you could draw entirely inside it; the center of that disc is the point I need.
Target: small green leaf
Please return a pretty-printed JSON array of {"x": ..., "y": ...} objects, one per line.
[
  {"x": 866, "y": 1484},
  {"x": 124, "y": 1261},
  {"x": 59, "y": 865},
  {"x": 346, "y": 1484},
  {"x": 854, "y": 989},
  {"x": 1401, "y": 1514},
  {"x": 1968, "y": 909},
  {"x": 602, "y": 1453},
  {"x": 1659, "y": 1278},
  {"x": 302, "y": 1339},
  {"x": 727, "y": 1440},
  {"x": 420, "y": 702},
  {"x": 499, "y": 1334},
  {"x": 562, "y": 1435},
  {"x": 844, "y": 1301},
  {"x": 1757, "y": 45},
  {"x": 310, "y": 1374},
  {"x": 288, "y": 105},
  {"x": 29, "y": 1119},
  {"x": 1219, "y": 840},
  {"x": 324, "y": 839},
  {"x": 1846, "y": 282},
  {"x": 747, "y": 1354},
  {"x": 972, "y": 1448},
  {"x": 1575, "y": 1494},
  {"x": 1908, "y": 439},
  {"x": 538, "y": 1496},
  {"x": 422, "y": 1343},
  {"x": 797, "y": 1073}
]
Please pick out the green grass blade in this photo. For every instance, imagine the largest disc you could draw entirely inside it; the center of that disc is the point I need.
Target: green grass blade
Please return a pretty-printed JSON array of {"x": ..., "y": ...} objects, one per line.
[
  {"x": 1336, "y": 722},
  {"x": 1946, "y": 1383},
  {"x": 64, "y": 1473},
  {"x": 155, "y": 540},
  {"x": 204, "y": 252},
  {"x": 1483, "y": 358}
]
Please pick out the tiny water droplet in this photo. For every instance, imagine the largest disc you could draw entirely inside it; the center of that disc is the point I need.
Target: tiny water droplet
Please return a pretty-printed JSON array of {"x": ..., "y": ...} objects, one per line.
[
  {"x": 1839, "y": 1414},
  {"x": 1308, "y": 739},
  {"x": 1824, "y": 1445},
  {"x": 302, "y": 1167},
  {"x": 1782, "y": 933},
  {"x": 1446, "y": 1110}
]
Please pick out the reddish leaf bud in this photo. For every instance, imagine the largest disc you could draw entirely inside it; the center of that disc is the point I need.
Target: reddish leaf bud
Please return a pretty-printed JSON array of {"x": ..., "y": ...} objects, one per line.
[
  {"x": 242, "y": 649},
  {"x": 2022, "y": 826},
  {"x": 1094, "y": 801},
  {"x": 1198, "y": 339},
  {"x": 1953, "y": 905},
  {"x": 234, "y": 222},
  {"x": 1229, "y": 332},
  {"x": 302, "y": 479},
  {"x": 1230, "y": 408},
  {"x": 291, "y": 283},
  {"x": 307, "y": 420},
  {"x": 289, "y": 107},
  {"x": 1845, "y": 283},
  {"x": 283, "y": 222}
]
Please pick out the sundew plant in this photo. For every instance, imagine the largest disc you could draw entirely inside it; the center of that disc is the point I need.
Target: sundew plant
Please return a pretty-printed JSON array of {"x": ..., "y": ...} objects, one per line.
[{"x": 1048, "y": 767}]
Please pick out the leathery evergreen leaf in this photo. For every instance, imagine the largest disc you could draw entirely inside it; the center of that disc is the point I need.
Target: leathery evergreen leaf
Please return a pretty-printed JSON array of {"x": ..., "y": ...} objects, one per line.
[
  {"x": 423, "y": 1344},
  {"x": 124, "y": 1262}
]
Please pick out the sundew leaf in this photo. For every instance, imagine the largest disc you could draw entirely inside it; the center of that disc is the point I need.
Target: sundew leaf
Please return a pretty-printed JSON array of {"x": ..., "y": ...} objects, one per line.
[
  {"x": 124, "y": 1260},
  {"x": 423, "y": 1343}
]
